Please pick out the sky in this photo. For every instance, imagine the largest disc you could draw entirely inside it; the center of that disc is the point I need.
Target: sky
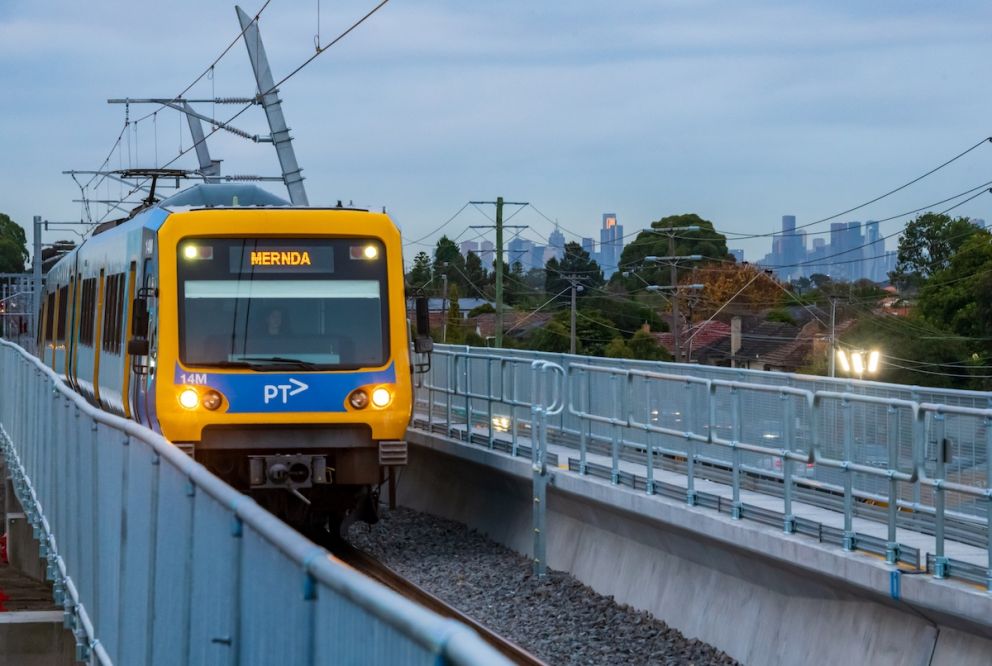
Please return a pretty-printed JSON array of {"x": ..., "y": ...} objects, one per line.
[{"x": 739, "y": 112}]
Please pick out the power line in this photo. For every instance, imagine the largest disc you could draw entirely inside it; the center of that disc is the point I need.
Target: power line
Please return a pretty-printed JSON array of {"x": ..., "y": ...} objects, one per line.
[
  {"x": 871, "y": 201},
  {"x": 439, "y": 228},
  {"x": 276, "y": 85}
]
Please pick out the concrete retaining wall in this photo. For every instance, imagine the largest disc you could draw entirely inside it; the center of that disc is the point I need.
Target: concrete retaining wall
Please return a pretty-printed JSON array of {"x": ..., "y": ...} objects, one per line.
[{"x": 760, "y": 595}]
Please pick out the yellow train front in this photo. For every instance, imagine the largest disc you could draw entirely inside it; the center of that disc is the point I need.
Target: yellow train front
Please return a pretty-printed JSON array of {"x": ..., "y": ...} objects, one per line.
[{"x": 269, "y": 342}]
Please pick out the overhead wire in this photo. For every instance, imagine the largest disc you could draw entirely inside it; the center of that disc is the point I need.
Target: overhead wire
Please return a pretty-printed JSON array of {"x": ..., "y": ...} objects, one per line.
[
  {"x": 275, "y": 86},
  {"x": 985, "y": 140}
]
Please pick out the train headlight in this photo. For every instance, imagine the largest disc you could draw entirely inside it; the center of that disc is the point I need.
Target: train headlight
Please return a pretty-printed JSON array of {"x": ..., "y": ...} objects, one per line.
[
  {"x": 189, "y": 398},
  {"x": 212, "y": 399},
  {"x": 371, "y": 252},
  {"x": 381, "y": 397},
  {"x": 359, "y": 399},
  {"x": 190, "y": 252}
]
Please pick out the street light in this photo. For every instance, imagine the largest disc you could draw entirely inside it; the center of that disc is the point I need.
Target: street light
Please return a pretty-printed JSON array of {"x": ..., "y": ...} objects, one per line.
[{"x": 858, "y": 362}]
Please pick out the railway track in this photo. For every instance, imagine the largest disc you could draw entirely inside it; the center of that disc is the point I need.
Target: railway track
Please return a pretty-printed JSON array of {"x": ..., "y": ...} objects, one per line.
[{"x": 378, "y": 571}]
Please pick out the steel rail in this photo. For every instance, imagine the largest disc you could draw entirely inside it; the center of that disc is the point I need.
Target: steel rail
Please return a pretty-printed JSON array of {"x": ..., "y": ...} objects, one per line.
[{"x": 381, "y": 573}]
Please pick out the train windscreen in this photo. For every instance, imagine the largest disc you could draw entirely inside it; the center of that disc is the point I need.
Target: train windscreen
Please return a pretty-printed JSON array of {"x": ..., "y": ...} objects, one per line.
[{"x": 270, "y": 303}]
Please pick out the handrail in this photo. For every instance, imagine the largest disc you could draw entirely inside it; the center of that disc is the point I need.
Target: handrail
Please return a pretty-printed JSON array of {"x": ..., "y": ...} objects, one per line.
[
  {"x": 859, "y": 439},
  {"x": 319, "y": 572}
]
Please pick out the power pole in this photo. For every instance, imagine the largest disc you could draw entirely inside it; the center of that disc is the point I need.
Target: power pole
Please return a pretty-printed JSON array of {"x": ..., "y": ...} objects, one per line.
[
  {"x": 36, "y": 280},
  {"x": 575, "y": 282},
  {"x": 499, "y": 271},
  {"x": 674, "y": 280},
  {"x": 833, "y": 337},
  {"x": 499, "y": 203},
  {"x": 444, "y": 307},
  {"x": 674, "y": 276}
]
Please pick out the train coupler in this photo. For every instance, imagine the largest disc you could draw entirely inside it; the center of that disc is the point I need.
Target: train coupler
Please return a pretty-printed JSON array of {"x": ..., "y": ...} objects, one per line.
[{"x": 288, "y": 471}]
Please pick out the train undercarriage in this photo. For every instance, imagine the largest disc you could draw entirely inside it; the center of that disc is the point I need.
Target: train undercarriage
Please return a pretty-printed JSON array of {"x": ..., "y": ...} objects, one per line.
[{"x": 315, "y": 489}]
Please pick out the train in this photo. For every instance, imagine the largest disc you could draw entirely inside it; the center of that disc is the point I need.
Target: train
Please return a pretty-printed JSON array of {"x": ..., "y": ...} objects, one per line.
[{"x": 269, "y": 342}]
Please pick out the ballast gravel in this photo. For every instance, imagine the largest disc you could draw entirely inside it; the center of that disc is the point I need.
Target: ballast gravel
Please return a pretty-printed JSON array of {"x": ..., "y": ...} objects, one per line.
[{"x": 556, "y": 618}]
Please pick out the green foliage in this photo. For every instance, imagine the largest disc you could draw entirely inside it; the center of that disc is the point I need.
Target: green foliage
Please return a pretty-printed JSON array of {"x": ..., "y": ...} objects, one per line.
[
  {"x": 485, "y": 308},
  {"x": 617, "y": 349},
  {"x": 449, "y": 261},
  {"x": 927, "y": 245},
  {"x": 643, "y": 345},
  {"x": 476, "y": 273},
  {"x": 915, "y": 353},
  {"x": 593, "y": 331},
  {"x": 780, "y": 314},
  {"x": 420, "y": 274},
  {"x": 13, "y": 246},
  {"x": 455, "y": 325},
  {"x": 625, "y": 314},
  {"x": 474, "y": 339},
  {"x": 552, "y": 337},
  {"x": 575, "y": 262},
  {"x": 959, "y": 297},
  {"x": 706, "y": 242}
]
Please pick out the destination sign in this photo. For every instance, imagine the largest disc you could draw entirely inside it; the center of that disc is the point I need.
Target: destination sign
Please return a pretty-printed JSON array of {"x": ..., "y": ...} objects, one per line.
[{"x": 282, "y": 259}]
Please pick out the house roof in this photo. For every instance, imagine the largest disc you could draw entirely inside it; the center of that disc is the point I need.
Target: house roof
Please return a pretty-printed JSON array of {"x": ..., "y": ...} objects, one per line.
[
  {"x": 702, "y": 335},
  {"x": 519, "y": 322},
  {"x": 773, "y": 339}
]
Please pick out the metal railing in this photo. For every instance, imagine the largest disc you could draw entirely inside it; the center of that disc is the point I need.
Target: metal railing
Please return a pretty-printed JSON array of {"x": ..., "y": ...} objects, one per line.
[
  {"x": 156, "y": 561},
  {"x": 906, "y": 457}
]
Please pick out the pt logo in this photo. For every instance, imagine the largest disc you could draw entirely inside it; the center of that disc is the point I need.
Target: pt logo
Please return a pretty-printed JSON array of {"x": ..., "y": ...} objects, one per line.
[{"x": 283, "y": 391}]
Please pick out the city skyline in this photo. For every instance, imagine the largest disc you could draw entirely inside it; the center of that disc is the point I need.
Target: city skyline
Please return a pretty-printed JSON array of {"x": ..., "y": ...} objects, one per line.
[{"x": 849, "y": 251}]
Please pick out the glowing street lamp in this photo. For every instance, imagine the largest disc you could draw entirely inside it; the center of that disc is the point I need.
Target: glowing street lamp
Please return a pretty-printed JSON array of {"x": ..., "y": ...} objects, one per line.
[{"x": 859, "y": 362}]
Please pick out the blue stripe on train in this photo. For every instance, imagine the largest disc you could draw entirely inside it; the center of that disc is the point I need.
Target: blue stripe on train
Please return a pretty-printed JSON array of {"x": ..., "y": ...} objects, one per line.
[{"x": 285, "y": 392}]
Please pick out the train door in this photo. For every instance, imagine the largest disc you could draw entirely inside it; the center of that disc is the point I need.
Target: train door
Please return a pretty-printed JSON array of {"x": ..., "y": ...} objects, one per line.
[
  {"x": 144, "y": 320},
  {"x": 128, "y": 315}
]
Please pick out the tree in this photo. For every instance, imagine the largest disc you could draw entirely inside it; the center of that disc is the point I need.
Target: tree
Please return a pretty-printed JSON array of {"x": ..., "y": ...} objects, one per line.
[
  {"x": 748, "y": 286},
  {"x": 927, "y": 245},
  {"x": 448, "y": 260},
  {"x": 13, "y": 246},
  {"x": 617, "y": 349},
  {"x": 476, "y": 273},
  {"x": 552, "y": 337},
  {"x": 706, "y": 242},
  {"x": 643, "y": 345},
  {"x": 420, "y": 274},
  {"x": 959, "y": 297},
  {"x": 454, "y": 331},
  {"x": 574, "y": 262}
]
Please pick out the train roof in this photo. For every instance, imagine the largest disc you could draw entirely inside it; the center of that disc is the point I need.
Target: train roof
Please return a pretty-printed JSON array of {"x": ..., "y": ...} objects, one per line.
[{"x": 222, "y": 195}]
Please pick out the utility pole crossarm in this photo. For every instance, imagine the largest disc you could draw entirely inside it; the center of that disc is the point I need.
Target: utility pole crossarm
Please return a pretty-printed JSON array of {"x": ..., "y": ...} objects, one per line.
[{"x": 499, "y": 203}]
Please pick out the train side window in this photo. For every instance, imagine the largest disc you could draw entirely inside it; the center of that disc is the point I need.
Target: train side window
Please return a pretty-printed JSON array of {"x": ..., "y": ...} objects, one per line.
[
  {"x": 49, "y": 316},
  {"x": 112, "y": 314},
  {"x": 63, "y": 309},
  {"x": 87, "y": 315}
]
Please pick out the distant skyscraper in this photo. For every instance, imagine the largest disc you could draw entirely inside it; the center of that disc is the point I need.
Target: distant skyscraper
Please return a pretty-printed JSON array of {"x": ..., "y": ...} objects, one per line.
[
  {"x": 519, "y": 250},
  {"x": 488, "y": 254},
  {"x": 556, "y": 244},
  {"x": 874, "y": 253},
  {"x": 589, "y": 245},
  {"x": 469, "y": 246},
  {"x": 738, "y": 255},
  {"x": 792, "y": 250},
  {"x": 538, "y": 256},
  {"x": 610, "y": 244}
]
